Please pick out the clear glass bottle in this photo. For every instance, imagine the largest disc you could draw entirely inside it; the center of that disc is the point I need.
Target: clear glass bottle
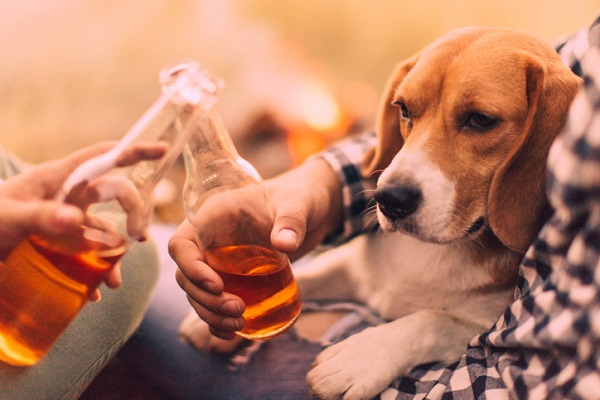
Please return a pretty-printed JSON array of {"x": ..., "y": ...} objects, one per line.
[
  {"x": 225, "y": 200},
  {"x": 45, "y": 281}
]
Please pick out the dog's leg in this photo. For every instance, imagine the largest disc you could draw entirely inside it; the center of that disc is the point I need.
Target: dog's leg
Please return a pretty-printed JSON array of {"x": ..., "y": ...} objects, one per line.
[{"x": 363, "y": 365}]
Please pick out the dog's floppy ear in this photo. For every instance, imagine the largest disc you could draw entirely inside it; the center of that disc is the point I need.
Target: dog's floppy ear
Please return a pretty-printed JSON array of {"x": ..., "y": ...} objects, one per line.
[
  {"x": 389, "y": 140},
  {"x": 518, "y": 205}
]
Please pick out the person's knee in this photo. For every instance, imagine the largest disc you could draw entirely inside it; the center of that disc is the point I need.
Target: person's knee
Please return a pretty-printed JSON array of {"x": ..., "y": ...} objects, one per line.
[
  {"x": 125, "y": 306},
  {"x": 141, "y": 268}
]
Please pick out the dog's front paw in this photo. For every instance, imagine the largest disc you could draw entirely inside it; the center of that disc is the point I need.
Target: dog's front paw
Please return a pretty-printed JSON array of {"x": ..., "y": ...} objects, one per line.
[
  {"x": 359, "y": 367},
  {"x": 196, "y": 332}
]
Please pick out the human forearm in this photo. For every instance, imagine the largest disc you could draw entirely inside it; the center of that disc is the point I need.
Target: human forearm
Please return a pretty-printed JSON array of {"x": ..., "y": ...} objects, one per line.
[{"x": 308, "y": 206}]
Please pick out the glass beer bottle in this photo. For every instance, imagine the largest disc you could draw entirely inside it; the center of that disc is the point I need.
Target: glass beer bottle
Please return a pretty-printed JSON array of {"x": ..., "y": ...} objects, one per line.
[
  {"x": 225, "y": 200},
  {"x": 45, "y": 281}
]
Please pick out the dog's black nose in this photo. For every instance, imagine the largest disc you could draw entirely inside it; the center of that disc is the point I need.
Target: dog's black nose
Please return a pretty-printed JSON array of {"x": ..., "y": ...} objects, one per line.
[{"x": 397, "y": 202}]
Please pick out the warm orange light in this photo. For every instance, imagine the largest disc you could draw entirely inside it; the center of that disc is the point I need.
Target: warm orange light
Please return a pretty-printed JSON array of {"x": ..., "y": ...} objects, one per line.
[
  {"x": 319, "y": 109},
  {"x": 323, "y": 121},
  {"x": 304, "y": 142}
]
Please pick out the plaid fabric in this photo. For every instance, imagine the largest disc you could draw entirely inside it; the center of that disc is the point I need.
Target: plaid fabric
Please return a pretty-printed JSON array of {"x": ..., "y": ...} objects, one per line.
[
  {"x": 546, "y": 344},
  {"x": 345, "y": 159}
]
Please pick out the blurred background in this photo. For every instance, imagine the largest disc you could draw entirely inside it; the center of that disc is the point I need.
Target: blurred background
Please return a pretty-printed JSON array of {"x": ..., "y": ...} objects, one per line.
[{"x": 298, "y": 74}]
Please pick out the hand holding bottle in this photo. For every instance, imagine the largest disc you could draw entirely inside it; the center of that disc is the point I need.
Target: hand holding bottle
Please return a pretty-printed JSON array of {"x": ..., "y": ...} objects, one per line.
[
  {"x": 307, "y": 207},
  {"x": 227, "y": 204},
  {"x": 47, "y": 278},
  {"x": 27, "y": 200}
]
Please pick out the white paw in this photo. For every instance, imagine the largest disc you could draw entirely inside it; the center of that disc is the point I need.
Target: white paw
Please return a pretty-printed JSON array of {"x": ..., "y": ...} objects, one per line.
[
  {"x": 196, "y": 332},
  {"x": 359, "y": 367}
]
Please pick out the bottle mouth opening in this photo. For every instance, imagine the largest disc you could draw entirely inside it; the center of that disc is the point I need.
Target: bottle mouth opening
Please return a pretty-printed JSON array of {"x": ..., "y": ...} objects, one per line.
[
  {"x": 190, "y": 82},
  {"x": 170, "y": 73}
]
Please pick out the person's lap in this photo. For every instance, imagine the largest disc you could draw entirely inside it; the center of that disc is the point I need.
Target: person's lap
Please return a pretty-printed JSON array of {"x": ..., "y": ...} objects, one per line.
[
  {"x": 91, "y": 340},
  {"x": 276, "y": 370}
]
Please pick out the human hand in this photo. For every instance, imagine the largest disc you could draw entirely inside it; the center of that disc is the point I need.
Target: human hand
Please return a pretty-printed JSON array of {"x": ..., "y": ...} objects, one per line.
[
  {"x": 307, "y": 204},
  {"x": 221, "y": 310},
  {"x": 27, "y": 204}
]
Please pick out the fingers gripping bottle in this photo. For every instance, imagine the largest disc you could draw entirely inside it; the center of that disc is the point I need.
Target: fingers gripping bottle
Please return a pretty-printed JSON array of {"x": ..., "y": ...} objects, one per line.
[
  {"x": 225, "y": 200},
  {"x": 45, "y": 281}
]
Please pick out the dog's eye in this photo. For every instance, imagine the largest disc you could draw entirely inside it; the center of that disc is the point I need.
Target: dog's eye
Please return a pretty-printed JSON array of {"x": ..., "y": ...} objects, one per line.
[
  {"x": 480, "y": 122},
  {"x": 403, "y": 110}
]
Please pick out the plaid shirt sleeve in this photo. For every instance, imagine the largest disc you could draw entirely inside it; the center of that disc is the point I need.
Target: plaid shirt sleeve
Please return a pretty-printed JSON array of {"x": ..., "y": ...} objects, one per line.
[
  {"x": 546, "y": 344},
  {"x": 346, "y": 158}
]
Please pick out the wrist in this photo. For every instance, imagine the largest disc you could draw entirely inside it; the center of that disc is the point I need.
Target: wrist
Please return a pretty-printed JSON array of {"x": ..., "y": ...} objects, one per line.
[{"x": 328, "y": 194}]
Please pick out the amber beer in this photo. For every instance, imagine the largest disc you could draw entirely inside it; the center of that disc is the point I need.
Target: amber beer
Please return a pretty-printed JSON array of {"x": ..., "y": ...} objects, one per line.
[
  {"x": 44, "y": 283},
  {"x": 263, "y": 279}
]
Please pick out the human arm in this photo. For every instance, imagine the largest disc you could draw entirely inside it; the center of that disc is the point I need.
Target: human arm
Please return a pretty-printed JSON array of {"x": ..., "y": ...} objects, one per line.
[{"x": 320, "y": 201}]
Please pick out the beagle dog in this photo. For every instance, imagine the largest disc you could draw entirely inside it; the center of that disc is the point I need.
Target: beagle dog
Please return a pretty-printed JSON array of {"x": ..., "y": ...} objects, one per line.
[{"x": 464, "y": 129}]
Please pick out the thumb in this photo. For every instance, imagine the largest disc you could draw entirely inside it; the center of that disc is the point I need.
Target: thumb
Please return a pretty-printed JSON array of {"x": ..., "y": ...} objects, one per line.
[
  {"x": 19, "y": 220},
  {"x": 46, "y": 217},
  {"x": 289, "y": 229}
]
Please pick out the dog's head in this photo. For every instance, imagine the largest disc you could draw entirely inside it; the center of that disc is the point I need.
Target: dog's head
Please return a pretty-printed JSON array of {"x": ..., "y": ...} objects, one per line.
[{"x": 464, "y": 131}]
